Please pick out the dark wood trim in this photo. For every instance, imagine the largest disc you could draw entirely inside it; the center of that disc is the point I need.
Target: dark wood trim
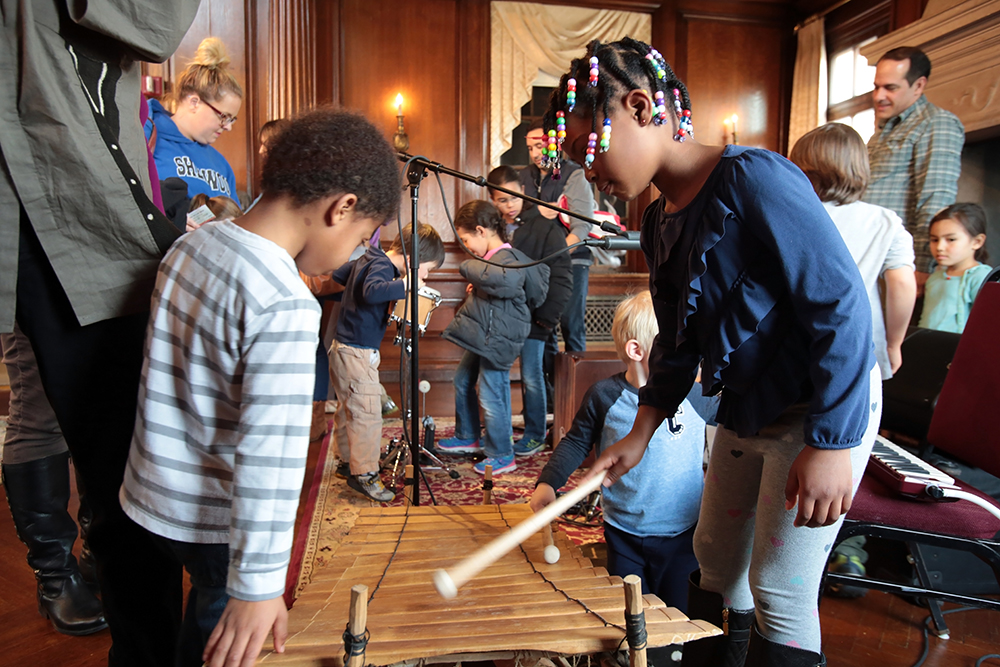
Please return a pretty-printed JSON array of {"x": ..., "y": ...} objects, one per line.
[
  {"x": 847, "y": 108},
  {"x": 624, "y": 5},
  {"x": 855, "y": 22},
  {"x": 748, "y": 19},
  {"x": 473, "y": 95},
  {"x": 905, "y": 12},
  {"x": 257, "y": 36},
  {"x": 789, "y": 48},
  {"x": 328, "y": 51}
]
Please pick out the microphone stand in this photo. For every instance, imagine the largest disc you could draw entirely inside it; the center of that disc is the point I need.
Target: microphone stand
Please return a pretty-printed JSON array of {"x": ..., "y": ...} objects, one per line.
[
  {"x": 415, "y": 173},
  {"x": 417, "y": 167}
]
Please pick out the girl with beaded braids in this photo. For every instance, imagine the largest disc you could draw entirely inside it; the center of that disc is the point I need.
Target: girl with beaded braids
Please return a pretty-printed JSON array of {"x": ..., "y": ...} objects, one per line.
[{"x": 750, "y": 280}]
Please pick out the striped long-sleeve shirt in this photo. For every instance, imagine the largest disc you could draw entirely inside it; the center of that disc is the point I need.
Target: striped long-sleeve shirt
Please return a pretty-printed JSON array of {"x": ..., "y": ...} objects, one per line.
[
  {"x": 222, "y": 428},
  {"x": 916, "y": 158}
]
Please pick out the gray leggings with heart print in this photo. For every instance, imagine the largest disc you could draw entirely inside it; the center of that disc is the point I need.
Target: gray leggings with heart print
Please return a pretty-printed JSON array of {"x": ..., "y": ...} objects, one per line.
[{"x": 746, "y": 543}]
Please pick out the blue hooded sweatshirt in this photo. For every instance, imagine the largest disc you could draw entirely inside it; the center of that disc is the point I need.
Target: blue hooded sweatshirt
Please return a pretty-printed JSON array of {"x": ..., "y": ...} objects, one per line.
[{"x": 200, "y": 166}]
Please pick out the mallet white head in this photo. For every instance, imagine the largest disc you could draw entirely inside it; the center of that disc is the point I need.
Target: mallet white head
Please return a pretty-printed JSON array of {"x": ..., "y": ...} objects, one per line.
[{"x": 444, "y": 585}]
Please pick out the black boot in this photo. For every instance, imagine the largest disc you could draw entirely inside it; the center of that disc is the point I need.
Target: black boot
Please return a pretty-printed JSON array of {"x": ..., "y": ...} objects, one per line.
[
  {"x": 765, "y": 653},
  {"x": 728, "y": 650},
  {"x": 88, "y": 567},
  {"x": 38, "y": 492}
]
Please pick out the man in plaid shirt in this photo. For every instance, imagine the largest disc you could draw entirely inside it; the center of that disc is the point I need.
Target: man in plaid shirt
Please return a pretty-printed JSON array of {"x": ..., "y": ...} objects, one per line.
[{"x": 916, "y": 151}]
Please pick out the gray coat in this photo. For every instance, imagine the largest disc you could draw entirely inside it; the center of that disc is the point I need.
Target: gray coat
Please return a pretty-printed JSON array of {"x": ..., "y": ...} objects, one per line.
[{"x": 495, "y": 319}]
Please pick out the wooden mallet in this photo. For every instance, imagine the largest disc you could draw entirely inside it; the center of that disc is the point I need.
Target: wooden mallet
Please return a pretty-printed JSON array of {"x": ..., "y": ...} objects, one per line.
[{"x": 449, "y": 581}]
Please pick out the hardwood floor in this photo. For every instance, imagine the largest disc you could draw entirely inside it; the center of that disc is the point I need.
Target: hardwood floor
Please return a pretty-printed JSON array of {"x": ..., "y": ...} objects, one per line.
[{"x": 879, "y": 630}]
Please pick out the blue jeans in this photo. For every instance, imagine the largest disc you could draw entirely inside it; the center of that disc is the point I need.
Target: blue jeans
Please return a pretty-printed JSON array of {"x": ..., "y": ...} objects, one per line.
[
  {"x": 573, "y": 322},
  {"x": 664, "y": 563},
  {"x": 493, "y": 397},
  {"x": 533, "y": 389},
  {"x": 208, "y": 567}
]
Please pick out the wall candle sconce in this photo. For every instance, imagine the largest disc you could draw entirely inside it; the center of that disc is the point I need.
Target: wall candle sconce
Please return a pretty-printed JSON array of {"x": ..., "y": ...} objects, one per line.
[
  {"x": 400, "y": 141},
  {"x": 730, "y": 124}
]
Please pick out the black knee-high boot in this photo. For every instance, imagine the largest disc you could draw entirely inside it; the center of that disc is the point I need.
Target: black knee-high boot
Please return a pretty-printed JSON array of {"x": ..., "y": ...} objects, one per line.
[
  {"x": 84, "y": 517},
  {"x": 727, "y": 650},
  {"x": 38, "y": 492},
  {"x": 765, "y": 653}
]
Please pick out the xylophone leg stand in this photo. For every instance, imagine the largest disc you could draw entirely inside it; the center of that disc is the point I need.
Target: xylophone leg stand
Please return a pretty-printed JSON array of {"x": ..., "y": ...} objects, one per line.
[
  {"x": 356, "y": 635},
  {"x": 635, "y": 621},
  {"x": 488, "y": 485}
]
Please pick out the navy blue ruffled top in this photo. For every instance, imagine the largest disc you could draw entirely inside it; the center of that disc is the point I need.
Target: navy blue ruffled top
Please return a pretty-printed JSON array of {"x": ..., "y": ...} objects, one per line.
[{"x": 753, "y": 279}]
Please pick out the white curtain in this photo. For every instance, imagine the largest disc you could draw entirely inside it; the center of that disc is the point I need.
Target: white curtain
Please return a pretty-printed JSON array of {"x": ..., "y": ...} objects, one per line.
[
  {"x": 528, "y": 39},
  {"x": 809, "y": 86}
]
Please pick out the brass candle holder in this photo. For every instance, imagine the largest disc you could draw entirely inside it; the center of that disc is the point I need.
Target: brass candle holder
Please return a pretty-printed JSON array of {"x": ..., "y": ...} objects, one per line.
[{"x": 400, "y": 141}]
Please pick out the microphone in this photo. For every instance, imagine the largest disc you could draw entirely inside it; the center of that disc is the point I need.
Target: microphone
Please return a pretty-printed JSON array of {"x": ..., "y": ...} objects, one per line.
[{"x": 628, "y": 242}]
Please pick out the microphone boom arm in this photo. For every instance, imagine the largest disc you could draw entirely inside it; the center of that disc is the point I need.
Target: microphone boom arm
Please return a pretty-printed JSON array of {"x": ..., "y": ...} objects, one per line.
[{"x": 437, "y": 167}]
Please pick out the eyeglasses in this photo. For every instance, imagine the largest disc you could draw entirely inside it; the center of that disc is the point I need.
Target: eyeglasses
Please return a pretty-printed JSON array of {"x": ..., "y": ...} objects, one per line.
[{"x": 224, "y": 118}]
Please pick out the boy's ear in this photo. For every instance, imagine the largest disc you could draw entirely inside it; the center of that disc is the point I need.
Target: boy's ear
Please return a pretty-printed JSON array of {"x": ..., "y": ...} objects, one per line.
[
  {"x": 633, "y": 350},
  {"x": 639, "y": 106},
  {"x": 341, "y": 208}
]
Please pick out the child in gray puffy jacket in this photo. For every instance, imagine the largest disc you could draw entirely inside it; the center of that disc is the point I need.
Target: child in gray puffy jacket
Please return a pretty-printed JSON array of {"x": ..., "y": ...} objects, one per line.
[{"x": 491, "y": 326}]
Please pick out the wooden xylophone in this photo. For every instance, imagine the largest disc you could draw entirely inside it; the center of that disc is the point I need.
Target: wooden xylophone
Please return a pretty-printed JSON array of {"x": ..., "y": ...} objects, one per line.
[{"x": 508, "y": 611}]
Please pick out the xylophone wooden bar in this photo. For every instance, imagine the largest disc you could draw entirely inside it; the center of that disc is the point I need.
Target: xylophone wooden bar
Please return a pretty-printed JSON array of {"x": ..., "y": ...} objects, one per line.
[{"x": 508, "y": 610}]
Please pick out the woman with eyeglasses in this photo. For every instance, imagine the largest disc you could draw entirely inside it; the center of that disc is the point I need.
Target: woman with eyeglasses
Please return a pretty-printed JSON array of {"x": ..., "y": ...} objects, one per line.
[{"x": 204, "y": 104}]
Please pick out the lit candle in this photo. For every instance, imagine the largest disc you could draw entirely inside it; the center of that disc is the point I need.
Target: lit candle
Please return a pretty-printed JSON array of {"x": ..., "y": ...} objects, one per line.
[
  {"x": 399, "y": 104},
  {"x": 735, "y": 119}
]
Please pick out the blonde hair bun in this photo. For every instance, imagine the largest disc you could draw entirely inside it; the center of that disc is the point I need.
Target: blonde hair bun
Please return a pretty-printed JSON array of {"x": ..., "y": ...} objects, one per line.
[
  {"x": 207, "y": 75},
  {"x": 211, "y": 53}
]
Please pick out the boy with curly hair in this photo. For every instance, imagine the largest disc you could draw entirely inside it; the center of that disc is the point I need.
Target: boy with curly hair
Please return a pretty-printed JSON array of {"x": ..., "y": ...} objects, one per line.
[{"x": 222, "y": 431}]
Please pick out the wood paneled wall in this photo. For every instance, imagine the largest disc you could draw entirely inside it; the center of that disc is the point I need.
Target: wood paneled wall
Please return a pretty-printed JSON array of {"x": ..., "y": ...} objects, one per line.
[{"x": 735, "y": 57}]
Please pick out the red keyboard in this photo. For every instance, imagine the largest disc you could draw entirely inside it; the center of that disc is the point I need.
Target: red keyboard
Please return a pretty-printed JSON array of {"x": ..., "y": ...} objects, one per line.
[{"x": 904, "y": 472}]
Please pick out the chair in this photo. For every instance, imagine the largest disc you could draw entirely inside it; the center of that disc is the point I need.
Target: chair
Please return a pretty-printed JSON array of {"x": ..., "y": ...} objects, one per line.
[{"x": 964, "y": 424}]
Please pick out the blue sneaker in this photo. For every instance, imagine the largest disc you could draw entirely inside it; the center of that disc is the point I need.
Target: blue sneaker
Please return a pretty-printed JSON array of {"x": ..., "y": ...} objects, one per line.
[
  {"x": 500, "y": 465},
  {"x": 528, "y": 447},
  {"x": 458, "y": 446}
]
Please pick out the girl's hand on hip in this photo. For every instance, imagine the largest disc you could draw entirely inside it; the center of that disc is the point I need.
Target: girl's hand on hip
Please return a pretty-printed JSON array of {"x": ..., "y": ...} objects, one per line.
[{"x": 820, "y": 482}]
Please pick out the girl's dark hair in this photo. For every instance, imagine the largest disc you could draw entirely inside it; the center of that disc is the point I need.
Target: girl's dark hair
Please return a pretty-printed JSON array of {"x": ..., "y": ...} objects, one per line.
[
  {"x": 331, "y": 152},
  {"x": 481, "y": 213},
  {"x": 973, "y": 218},
  {"x": 429, "y": 244},
  {"x": 501, "y": 176},
  {"x": 623, "y": 67}
]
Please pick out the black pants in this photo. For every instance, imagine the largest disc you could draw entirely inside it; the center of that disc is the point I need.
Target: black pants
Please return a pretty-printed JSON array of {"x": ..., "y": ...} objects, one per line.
[
  {"x": 664, "y": 563},
  {"x": 91, "y": 378}
]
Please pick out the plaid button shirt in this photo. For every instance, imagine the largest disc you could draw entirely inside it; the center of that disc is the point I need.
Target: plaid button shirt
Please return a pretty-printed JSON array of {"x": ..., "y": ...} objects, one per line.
[{"x": 915, "y": 163}]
